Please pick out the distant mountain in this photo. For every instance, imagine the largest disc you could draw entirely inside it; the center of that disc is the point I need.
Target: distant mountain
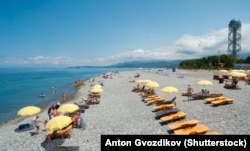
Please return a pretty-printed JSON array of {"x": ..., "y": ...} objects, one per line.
[
  {"x": 139, "y": 64},
  {"x": 147, "y": 64}
]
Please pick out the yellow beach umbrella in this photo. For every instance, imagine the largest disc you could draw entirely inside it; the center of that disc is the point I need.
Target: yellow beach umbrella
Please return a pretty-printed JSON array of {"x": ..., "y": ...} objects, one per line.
[
  {"x": 248, "y": 73},
  {"x": 96, "y": 90},
  {"x": 96, "y": 86},
  {"x": 29, "y": 111},
  {"x": 152, "y": 84},
  {"x": 242, "y": 71},
  {"x": 237, "y": 74},
  {"x": 140, "y": 81},
  {"x": 223, "y": 71},
  {"x": 58, "y": 123},
  {"x": 68, "y": 108},
  {"x": 169, "y": 90},
  {"x": 204, "y": 83}
]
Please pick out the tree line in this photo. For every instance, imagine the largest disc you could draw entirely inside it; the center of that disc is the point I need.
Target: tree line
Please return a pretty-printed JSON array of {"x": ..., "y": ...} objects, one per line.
[{"x": 213, "y": 62}]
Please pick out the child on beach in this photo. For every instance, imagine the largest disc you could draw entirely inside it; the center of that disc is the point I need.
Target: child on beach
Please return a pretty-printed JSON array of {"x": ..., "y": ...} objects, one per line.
[{"x": 37, "y": 121}]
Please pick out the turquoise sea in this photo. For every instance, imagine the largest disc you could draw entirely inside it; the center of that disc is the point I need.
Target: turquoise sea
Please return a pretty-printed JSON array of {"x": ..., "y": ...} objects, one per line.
[{"x": 20, "y": 87}]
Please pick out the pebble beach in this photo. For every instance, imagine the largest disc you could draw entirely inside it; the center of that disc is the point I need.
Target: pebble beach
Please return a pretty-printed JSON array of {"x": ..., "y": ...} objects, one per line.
[{"x": 121, "y": 111}]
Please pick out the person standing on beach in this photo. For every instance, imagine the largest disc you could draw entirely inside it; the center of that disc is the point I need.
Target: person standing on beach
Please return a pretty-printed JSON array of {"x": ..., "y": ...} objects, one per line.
[
  {"x": 64, "y": 97},
  {"x": 49, "y": 110},
  {"x": 189, "y": 92},
  {"x": 53, "y": 112},
  {"x": 37, "y": 121}
]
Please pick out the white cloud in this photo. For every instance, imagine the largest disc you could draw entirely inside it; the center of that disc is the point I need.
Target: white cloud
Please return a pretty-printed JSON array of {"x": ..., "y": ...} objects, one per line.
[{"x": 187, "y": 47}]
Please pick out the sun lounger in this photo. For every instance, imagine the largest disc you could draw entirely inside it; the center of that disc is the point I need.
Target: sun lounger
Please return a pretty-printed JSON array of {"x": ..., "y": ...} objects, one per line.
[
  {"x": 65, "y": 131},
  {"x": 184, "y": 93},
  {"x": 200, "y": 96},
  {"x": 152, "y": 98},
  {"x": 195, "y": 130},
  {"x": 174, "y": 116},
  {"x": 166, "y": 102},
  {"x": 209, "y": 100},
  {"x": 211, "y": 133},
  {"x": 94, "y": 95},
  {"x": 165, "y": 112},
  {"x": 223, "y": 101},
  {"x": 182, "y": 124},
  {"x": 149, "y": 96},
  {"x": 155, "y": 101},
  {"x": 163, "y": 106},
  {"x": 82, "y": 105}
]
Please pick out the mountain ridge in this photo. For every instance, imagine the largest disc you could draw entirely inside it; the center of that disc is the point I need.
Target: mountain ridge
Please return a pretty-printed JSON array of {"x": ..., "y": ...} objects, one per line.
[{"x": 139, "y": 64}]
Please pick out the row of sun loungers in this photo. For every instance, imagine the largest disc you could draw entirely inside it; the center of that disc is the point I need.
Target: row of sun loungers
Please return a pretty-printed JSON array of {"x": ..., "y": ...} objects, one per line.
[
  {"x": 167, "y": 112},
  {"x": 200, "y": 96},
  {"x": 170, "y": 114}
]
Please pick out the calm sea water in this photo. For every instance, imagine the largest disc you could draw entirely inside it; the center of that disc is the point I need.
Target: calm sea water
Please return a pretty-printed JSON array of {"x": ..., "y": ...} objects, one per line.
[{"x": 20, "y": 87}]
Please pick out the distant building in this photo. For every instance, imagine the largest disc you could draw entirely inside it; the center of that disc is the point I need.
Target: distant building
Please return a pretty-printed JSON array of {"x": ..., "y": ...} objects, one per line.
[{"x": 245, "y": 66}]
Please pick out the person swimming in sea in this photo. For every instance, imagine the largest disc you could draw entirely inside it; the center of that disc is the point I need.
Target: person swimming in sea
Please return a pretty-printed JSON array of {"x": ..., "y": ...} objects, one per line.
[{"x": 42, "y": 94}]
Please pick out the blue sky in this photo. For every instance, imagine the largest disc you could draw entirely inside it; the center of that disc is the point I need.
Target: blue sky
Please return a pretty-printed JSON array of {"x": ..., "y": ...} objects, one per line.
[{"x": 104, "y": 32}]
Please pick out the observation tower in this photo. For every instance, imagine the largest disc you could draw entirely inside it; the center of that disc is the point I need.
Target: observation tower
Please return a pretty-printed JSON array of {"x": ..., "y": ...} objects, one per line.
[{"x": 234, "y": 37}]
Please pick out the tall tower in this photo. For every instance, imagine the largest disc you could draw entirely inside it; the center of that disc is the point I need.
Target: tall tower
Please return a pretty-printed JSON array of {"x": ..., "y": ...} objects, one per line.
[{"x": 234, "y": 37}]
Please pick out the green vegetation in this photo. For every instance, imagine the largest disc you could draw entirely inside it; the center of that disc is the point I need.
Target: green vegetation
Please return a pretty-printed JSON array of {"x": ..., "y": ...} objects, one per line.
[{"x": 212, "y": 62}]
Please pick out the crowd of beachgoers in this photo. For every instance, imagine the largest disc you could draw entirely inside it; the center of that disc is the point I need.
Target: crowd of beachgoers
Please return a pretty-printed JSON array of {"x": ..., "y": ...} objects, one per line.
[{"x": 120, "y": 111}]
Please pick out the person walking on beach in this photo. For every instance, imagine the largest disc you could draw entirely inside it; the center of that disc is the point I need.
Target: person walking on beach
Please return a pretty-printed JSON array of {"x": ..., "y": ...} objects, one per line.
[
  {"x": 189, "y": 92},
  {"x": 64, "y": 97}
]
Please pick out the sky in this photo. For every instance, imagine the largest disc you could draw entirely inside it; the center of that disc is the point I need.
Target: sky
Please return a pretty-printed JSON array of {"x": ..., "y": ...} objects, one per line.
[{"x": 106, "y": 32}]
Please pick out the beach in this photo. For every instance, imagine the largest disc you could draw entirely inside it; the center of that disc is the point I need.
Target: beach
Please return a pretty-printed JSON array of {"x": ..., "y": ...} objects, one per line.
[{"x": 121, "y": 111}]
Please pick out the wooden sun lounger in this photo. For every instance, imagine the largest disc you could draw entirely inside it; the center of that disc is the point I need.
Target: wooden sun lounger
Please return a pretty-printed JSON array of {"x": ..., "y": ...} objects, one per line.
[
  {"x": 94, "y": 95},
  {"x": 223, "y": 101},
  {"x": 82, "y": 105},
  {"x": 155, "y": 101},
  {"x": 200, "y": 96},
  {"x": 62, "y": 132},
  {"x": 174, "y": 116},
  {"x": 165, "y": 112},
  {"x": 164, "y": 106},
  {"x": 182, "y": 124},
  {"x": 211, "y": 133},
  {"x": 152, "y": 98},
  {"x": 195, "y": 130},
  {"x": 184, "y": 93},
  {"x": 209, "y": 100},
  {"x": 166, "y": 102}
]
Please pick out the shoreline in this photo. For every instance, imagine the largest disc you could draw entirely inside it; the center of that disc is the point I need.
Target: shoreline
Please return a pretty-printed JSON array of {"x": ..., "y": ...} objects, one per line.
[{"x": 44, "y": 107}]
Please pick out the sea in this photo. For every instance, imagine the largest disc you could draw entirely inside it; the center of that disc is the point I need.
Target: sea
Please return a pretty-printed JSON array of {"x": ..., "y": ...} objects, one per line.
[{"x": 22, "y": 86}]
